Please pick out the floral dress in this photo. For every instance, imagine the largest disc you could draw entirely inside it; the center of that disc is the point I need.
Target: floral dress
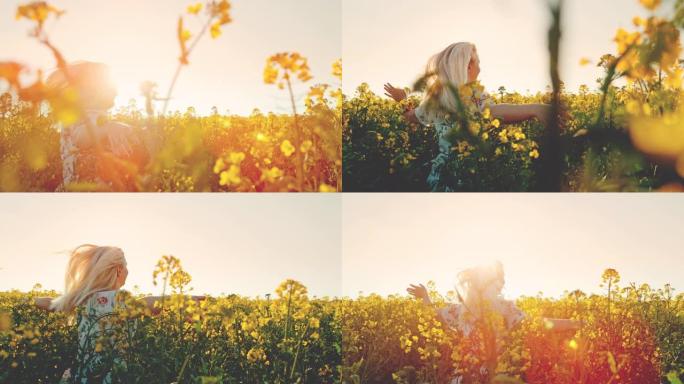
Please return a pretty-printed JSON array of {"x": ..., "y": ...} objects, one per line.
[
  {"x": 94, "y": 324},
  {"x": 437, "y": 179},
  {"x": 86, "y": 164},
  {"x": 457, "y": 318}
]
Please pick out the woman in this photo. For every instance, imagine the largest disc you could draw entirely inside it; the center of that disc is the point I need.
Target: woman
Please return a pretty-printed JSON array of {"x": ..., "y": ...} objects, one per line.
[
  {"x": 99, "y": 153},
  {"x": 456, "y": 65},
  {"x": 94, "y": 277},
  {"x": 481, "y": 301}
]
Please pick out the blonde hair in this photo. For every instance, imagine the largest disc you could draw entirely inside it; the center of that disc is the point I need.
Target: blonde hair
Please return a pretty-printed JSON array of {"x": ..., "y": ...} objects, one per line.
[
  {"x": 87, "y": 78},
  {"x": 478, "y": 286},
  {"x": 450, "y": 66},
  {"x": 91, "y": 269}
]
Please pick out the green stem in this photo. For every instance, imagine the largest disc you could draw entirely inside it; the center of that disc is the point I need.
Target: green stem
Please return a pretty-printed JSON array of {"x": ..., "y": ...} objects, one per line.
[
  {"x": 298, "y": 138},
  {"x": 182, "y": 370},
  {"x": 180, "y": 64},
  {"x": 296, "y": 357}
]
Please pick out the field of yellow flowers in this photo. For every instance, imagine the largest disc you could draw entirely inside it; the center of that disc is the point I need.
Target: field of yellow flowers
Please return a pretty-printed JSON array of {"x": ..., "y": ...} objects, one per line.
[
  {"x": 179, "y": 151},
  {"x": 616, "y": 138},
  {"x": 283, "y": 338},
  {"x": 182, "y": 152},
  {"x": 629, "y": 334}
]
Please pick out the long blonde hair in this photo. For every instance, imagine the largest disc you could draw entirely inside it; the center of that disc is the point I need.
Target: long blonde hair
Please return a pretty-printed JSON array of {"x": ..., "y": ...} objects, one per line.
[
  {"x": 91, "y": 269},
  {"x": 481, "y": 287},
  {"x": 450, "y": 66},
  {"x": 88, "y": 82}
]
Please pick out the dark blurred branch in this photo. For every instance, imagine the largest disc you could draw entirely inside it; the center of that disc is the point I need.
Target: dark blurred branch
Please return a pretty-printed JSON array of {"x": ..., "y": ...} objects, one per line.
[{"x": 551, "y": 171}]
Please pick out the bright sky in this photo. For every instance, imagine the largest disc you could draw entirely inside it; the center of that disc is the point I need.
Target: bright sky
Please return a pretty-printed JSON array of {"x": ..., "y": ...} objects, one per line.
[
  {"x": 137, "y": 39},
  {"x": 546, "y": 242},
  {"x": 392, "y": 40},
  {"x": 245, "y": 244}
]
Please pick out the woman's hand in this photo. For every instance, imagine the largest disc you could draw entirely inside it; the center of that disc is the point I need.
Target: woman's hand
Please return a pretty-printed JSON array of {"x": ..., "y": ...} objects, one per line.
[
  {"x": 397, "y": 94},
  {"x": 419, "y": 292}
]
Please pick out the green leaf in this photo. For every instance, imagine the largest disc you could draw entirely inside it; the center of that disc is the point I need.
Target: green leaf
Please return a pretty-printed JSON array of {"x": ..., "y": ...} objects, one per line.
[{"x": 673, "y": 378}]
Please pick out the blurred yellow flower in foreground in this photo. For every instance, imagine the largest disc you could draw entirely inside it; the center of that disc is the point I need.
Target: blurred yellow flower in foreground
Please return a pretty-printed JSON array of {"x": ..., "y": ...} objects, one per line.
[
  {"x": 230, "y": 176},
  {"x": 5, "y": 321},
  {"x": 289, "y": 63},
  {"x": 650, "y": 4},
  {"x": 660, "y": 137},
  {"x": 337, "y": 69},
  {"x": 306, "y": 146},
  {"x": 287, "y": 148},
  {"x": 326, "y": 188},
  {"x": 272, "y": 175},
  {"x": 37, "y": 11},
  {"x": 195, "y": 8}
]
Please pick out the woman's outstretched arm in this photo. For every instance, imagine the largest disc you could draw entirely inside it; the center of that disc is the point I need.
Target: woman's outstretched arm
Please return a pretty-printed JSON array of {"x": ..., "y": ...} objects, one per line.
[
  {"x": 507, "y": 113},
  {"x": 561, "y": 325},
  {"x": 151, "y": 300},
  {"x": 420, "y": 292},
  {"x": 514, "y": 113},
  {"x": 43, "y": 303}
]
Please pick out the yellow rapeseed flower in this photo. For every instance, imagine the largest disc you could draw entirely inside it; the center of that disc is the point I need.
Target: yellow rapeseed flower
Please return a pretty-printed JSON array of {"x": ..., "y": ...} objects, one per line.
[
  {"x": 287, "y": 148},
  {"x": 337, "y": 69},
  {"x": 37, "y": 11},
  {"x": 650, "y": 4},
  {"x": 230, "y": 176},
  {"x": 194, "y": 9},
  {"x": 306, "y": 146},
  {"x": 272, "y": 175}
]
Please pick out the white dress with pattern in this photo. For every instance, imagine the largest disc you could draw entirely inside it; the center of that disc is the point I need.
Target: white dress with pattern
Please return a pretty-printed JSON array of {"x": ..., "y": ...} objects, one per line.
[
  {"x": 93, "y": 323},
  {"x": 79, "y": 165},
  {"x": 442, "y": 127},
  {"x": 456, "y": 317}
]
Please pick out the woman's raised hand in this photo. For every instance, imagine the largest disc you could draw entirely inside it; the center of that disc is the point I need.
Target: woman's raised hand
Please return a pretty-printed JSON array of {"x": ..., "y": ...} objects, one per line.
[
  {"x": 418, "y": 291},
  {"x": 397, "y": 94}
]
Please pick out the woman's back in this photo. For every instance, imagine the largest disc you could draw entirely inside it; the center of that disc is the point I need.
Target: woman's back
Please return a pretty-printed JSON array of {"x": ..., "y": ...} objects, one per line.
[
  {"x": 89, "y": 149},
  {"x": 474, "y": 99},
  {"x": 94, "y": 318},
  {"x": 458, "y": 317}
]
